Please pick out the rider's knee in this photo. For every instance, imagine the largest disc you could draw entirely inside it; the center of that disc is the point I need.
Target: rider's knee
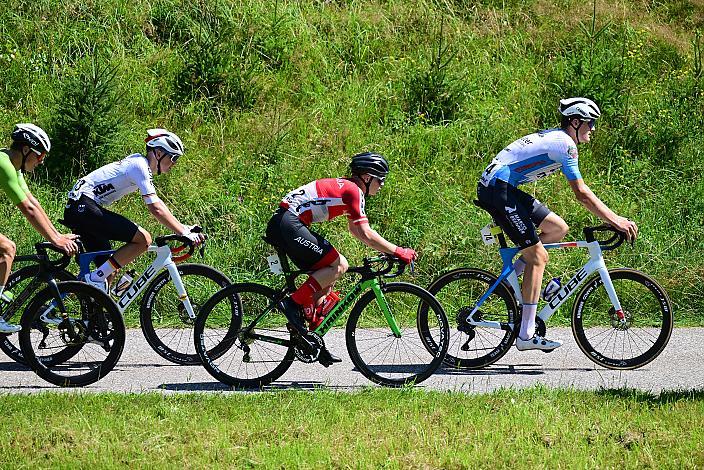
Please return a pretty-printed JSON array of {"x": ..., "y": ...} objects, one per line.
[
  {"x": 562, "y": 229},
  {"x": 142, "y": 238},
  {"x": 7, "y": 247},
  {"x": 342, "y": 265},
  {"x": 536, "y": 255}
]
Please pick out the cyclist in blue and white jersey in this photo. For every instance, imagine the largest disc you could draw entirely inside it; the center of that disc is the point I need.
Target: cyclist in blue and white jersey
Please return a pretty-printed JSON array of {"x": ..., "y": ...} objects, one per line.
[
  {"x": 87, "y": 214},
  {"x": 527, "y": 160}
]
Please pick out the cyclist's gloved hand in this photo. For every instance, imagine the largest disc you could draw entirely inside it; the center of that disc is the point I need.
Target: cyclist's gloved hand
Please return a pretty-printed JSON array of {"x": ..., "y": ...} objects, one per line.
[
  {"x": 405, "y": 254},
  {"x": 195, "y": 237}
]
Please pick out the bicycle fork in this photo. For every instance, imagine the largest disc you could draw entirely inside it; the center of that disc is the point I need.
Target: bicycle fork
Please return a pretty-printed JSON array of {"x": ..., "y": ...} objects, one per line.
[
  {"x": 385, "y": 308},
  {"x": 181, "y": 290}
]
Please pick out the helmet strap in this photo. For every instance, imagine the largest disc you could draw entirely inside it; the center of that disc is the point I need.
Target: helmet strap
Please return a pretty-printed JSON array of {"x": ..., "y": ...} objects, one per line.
[
  {"x": 25, "y": 156},
  {"x": 576, "y": 129},
  {"x": 158, "y": 162}
]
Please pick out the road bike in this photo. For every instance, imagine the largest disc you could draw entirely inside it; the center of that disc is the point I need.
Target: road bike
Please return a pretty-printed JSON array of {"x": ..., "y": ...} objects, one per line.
[
  {"x": 86, "y": 337},
  {"x": 173, "y": 294},
  {"x": 244, "y": 324},
  {"x": 621, "y": 318}
]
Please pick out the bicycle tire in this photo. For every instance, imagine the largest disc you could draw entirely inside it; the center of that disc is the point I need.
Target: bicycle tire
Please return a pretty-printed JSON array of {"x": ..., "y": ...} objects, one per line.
[
  {"x": 458, "y": 291},
  {"x": 163, "y": 318},
  {"x": 648, "y": 327},
  {"x": 100, "y": 321},
  {"x": 247, "y": 363},
  {"x": 367, "y": 325},
  {"x": 9, "y": 343}
]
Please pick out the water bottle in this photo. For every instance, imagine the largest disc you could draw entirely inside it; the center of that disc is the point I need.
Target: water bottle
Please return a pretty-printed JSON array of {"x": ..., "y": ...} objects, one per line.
[
  {"x": 551, "y": 288},
  {"x": 7, "y": 297},
  {"x": 124, "y": 283}
]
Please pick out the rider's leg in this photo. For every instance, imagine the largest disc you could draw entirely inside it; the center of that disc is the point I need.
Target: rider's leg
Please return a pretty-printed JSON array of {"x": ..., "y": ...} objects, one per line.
[
  {"x": 126, "y": 254},
  {"x": 7, "y": 255},
  {"x": 552, "y": 230},
  {"x": 536, "y": 257},
  {"x": 327, "y": 277},
  {"x": 334, "y": 266}
]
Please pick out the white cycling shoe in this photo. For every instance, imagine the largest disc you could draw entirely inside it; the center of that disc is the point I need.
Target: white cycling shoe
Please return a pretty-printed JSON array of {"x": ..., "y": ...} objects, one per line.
[
  {"x": 537, "y": 342},
  {"x": 8, "y": 328},
  {"x": 102, "y": 285}
]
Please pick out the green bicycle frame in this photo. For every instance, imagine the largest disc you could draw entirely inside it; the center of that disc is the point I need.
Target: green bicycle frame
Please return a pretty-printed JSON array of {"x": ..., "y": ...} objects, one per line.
[{"x": 351, "y": 298}]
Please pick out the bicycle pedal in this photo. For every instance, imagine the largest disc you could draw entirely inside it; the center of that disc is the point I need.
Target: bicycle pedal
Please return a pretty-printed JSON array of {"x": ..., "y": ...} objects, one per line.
[{"x": 548, "y": 350}]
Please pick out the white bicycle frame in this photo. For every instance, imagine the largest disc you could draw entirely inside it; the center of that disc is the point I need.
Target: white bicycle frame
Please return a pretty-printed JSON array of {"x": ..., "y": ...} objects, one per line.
[
  {"x": 595, "y": 264},
  {"x": 163, "y": 260}
]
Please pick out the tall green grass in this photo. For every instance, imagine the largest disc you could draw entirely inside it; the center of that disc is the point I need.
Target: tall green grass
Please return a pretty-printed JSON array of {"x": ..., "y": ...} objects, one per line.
[{"x": 268, "y": 95}]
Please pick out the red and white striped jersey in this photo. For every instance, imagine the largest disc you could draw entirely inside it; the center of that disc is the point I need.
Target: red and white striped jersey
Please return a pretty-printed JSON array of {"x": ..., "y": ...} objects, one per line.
[{"x": 326, "y": 199}]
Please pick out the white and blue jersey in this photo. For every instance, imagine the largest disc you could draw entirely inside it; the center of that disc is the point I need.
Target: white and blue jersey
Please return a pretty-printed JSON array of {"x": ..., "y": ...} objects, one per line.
[{"x": 533, "y": 157}]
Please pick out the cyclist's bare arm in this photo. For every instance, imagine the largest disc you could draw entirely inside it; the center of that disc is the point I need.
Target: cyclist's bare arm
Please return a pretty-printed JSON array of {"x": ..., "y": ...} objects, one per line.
[
  {"x": 35, "y": 215},
  {"x": 162, "y": 213},
  {"x": 370, "y": 237},
  {"x": 594, "y": 205}
]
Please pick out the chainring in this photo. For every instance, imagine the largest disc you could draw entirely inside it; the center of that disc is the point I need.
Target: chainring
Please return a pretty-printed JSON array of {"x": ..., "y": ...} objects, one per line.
[{"x": 303, "y": 355}]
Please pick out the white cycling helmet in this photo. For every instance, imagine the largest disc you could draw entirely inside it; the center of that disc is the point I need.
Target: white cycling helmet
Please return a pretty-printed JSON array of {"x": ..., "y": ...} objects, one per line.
[
  {"x": 33, "y": 136},
  {"x": 165, "y": 140},
  {"x": 580, "y": 108}
]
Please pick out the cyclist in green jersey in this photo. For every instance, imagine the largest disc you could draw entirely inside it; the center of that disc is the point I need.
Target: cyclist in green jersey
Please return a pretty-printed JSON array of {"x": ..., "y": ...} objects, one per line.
[{"x": 30, "y": 145}]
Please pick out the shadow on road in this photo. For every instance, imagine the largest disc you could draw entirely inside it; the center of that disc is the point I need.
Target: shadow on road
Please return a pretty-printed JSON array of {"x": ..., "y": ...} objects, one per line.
[{"x": 283, "y": 385}]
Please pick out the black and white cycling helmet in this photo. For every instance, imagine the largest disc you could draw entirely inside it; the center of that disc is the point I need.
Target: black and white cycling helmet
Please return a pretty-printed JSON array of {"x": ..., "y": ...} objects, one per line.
[
  {"x": 370, "y": 163},
  {"x": 579, "y": 108},
  {"x": 33, "y": 136},
  {"x": 165, "y": 140}
]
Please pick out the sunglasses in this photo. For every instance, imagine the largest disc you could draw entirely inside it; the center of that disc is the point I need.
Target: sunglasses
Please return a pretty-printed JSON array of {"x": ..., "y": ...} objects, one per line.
[
  {"x": 380, "y": 179},
  {"x": 591, "y": 123},
  {"x": 40, "y": 155},
  {"x": 174, "y": 158}
]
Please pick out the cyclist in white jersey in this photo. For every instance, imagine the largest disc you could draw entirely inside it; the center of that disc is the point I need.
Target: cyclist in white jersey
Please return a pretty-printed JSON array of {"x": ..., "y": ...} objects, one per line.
[
  {"x": 529, "y": 159},
  {"x": 87, "y": 214}
]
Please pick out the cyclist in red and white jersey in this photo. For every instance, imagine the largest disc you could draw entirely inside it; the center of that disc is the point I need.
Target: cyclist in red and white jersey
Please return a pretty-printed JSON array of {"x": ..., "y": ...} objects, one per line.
[
  {"x": 87, "y": 214},
  {"x": 319, "y": 201},
  {"x": 529, "y": 159}
]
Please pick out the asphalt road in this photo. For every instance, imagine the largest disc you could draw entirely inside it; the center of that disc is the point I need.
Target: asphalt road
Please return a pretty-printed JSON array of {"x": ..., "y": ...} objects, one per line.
[{"x": 680, "y": 366}]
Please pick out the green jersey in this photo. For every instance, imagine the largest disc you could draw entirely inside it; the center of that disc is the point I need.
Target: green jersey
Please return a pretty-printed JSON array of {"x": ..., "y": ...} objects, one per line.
[{"x": 11, "y": 181}]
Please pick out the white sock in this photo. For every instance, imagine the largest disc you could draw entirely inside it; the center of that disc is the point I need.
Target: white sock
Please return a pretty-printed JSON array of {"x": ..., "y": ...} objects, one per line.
[
  {"x": 528, "y": 321},
  {"x": 104, "y": 270},
  {"x": 519, "y": 266}
]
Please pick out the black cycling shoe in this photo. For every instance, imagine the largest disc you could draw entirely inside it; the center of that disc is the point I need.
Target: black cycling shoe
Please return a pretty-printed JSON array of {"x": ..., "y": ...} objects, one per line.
[
  {"x": 295, "y": 321},
  {"x": 294, "y": 315},
  {"x": 326, "y": 358}
]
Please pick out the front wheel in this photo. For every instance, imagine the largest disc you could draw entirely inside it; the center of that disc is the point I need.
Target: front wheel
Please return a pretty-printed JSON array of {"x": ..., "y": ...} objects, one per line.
[
  {"x": 93, "y": 328},
  {"x": 241, "y": 338},
  {"x": 163, "y": 317},
  {"x": 633, "y": 340},
  {"x": 397, "y": 358}
]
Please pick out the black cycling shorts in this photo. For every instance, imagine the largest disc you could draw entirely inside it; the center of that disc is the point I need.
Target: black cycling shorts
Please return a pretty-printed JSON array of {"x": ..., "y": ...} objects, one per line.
[
  {"x": 307, "y": 249},
  {"x": 97, "y": 225},
  {"x": 517, "y": 213}
]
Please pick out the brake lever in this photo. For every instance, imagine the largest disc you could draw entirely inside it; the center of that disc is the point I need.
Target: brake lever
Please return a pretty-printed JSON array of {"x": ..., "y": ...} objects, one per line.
[{"x": 413, "y": 266}]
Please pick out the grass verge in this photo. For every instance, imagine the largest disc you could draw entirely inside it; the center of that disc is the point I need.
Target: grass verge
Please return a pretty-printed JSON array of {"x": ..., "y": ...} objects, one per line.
[{"x": 373, "y": 428}]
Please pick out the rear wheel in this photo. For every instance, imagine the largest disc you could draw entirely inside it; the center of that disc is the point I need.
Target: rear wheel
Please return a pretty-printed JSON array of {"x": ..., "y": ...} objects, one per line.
[
  {"x": 241, "y": 324},
  {"x": 17, "y": 282},
  {"x": 393, "y": 359},
  {"x": 473, "y": 347},
  {"x": 93, "y": 326},
  {"x": 629, "y": 342}
]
